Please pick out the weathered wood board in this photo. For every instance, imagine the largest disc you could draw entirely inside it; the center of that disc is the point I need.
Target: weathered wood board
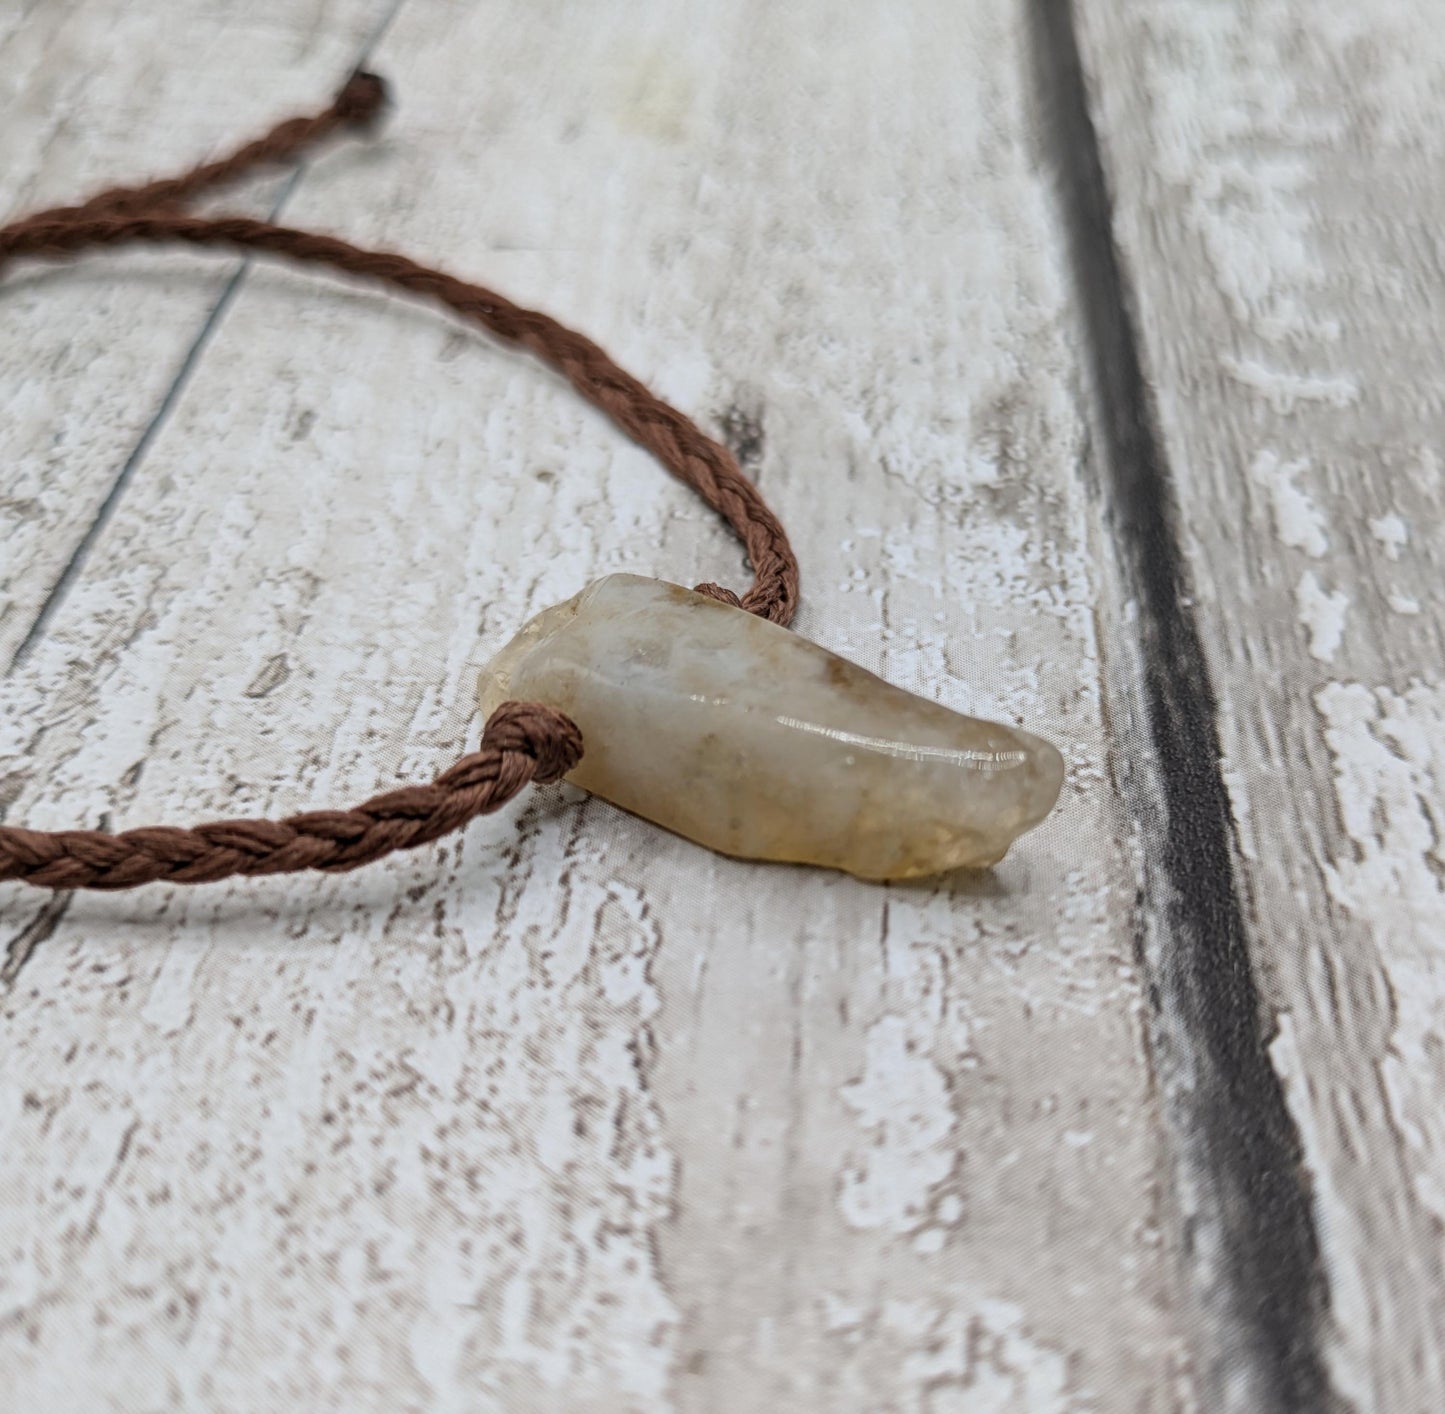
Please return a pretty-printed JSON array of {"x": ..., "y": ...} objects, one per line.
[
  {"x": 93, "y": 95},
  {"x": 567, "y": 1113},
  {"x": 1274, "y": 168}
]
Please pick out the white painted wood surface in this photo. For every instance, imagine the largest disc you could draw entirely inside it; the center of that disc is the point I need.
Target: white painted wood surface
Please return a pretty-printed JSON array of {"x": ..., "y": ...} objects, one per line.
[
  {"x": 92, "y": 95},
  {"x": 1275, "y": 173},
  {"x": 565, "y": 1113}
]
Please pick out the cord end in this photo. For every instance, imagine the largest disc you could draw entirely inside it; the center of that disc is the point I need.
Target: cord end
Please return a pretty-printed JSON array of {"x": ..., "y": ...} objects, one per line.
[{"x": 362, "y": 99}]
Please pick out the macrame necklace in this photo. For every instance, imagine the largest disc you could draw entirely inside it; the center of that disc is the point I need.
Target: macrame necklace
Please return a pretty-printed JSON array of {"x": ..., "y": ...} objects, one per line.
[{"x": 695, "y": 708}]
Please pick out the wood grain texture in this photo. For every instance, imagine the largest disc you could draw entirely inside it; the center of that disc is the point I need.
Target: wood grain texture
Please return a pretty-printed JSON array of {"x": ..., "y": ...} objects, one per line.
[
  {"x": 96, "y": 94},
  {"x": 1274, "y": 173},
  {"x": 569, "y": 1113}
]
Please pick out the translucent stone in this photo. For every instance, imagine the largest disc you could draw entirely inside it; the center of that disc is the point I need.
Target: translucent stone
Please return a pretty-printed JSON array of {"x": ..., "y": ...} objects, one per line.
[{"x": 749, "y": 739}]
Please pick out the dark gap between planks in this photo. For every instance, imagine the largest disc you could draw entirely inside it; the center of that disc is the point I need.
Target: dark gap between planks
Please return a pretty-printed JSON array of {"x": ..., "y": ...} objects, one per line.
[{"x": 1236, "y": 1141}]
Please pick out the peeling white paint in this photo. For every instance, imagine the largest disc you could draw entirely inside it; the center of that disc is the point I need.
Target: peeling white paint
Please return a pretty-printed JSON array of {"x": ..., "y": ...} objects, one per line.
[
  {"x": 902, "y": 1100},
  {"x": 968, "y": 1354},
  {"x": 1391, "y": 532},
  {"x": 1285, "y": 390},
  {"x": 1323, "y": 613},
  {"x": 1389, "y": 764},
  {"x": 1388, "y": 750},
  {"x": 1389, "y": 767},
  {"x": 1298, "y": 520}
]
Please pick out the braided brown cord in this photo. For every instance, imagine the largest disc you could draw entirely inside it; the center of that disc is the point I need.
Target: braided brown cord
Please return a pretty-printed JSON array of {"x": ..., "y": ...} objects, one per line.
[
  {"x": 357, "y": 105},
  {"x": 522, "y": 742},
  {"x": 707, "y": 466}
]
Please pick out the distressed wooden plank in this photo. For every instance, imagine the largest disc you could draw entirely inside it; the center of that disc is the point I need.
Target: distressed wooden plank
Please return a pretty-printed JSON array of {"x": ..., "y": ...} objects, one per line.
[
  {"x": 568, "y": 1110},
  {"x": 95, "y": 94},
  {"x": 1274, "y": 171}
]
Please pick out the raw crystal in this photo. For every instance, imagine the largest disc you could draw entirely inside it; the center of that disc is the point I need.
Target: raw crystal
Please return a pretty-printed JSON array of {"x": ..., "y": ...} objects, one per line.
[{"x": 749, "y": 739}]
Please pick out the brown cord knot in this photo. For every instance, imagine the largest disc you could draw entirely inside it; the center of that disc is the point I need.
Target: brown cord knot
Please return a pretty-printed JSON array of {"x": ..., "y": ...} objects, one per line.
[
  {"x": 361, "y": 99},
  {"x": 551, "y": 738},
  {"x": 716, "y": 591}
]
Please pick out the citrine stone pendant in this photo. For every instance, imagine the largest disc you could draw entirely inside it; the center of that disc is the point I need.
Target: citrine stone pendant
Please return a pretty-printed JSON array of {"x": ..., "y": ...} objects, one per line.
[{"x": 746, "y": 738}]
